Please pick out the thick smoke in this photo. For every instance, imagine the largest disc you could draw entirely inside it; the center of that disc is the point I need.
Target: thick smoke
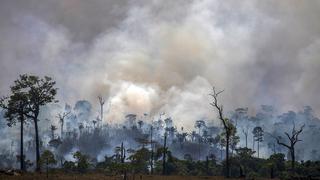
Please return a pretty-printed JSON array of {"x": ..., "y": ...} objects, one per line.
[{"x": 155, "y": 56}]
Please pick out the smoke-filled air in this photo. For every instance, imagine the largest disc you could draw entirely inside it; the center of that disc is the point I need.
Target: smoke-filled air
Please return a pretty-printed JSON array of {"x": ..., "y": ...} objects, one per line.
[{"x": 149, "y": 87}]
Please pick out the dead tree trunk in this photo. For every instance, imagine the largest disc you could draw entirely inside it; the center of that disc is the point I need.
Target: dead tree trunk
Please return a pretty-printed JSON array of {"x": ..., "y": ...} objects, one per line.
[
  {"x": 227, "y": 155},
  {"x": 101, "y": 102},
  {"x": 245, "y": 132},
  {"x": 61, "y": 117},
  {"x": 227, "y": 125},
  {"x": 21, "y": 143},
  {"x": 293, "y": 139}
]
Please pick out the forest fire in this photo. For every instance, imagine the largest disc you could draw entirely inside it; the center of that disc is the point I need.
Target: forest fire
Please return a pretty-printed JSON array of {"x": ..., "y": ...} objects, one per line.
[{"x": 159, "y": 89}]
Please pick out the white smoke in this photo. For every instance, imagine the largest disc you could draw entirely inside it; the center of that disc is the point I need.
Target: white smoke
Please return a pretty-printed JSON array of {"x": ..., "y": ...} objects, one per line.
[{"x": 155, "y": 56}]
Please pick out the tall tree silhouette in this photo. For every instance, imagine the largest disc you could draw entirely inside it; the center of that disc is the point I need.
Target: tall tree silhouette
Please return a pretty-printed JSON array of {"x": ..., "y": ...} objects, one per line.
[
  {"x": 227, "y": 125},
  {"x": 38, "y": 92},
  {"x": 165, "y": 149},
  {"x": 258, "y": 136},
  {"x": 293, "y": 139},
  {"x": 199, "y": 124},
  {"x": 245, "y": 132},
  {"x": 15, "y": 108},
  {"x": 152, "y": 153},
  {"x": 61, "y": 117},
  {"x": 101, "y": 103}
]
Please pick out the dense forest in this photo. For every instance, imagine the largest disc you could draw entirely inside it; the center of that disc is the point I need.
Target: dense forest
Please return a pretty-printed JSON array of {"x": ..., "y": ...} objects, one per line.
[{"x": 38, "y": 133}]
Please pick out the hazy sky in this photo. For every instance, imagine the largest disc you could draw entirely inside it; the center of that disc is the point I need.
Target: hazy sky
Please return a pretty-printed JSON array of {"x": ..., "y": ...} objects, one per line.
[{"x": 163, "y": 56}]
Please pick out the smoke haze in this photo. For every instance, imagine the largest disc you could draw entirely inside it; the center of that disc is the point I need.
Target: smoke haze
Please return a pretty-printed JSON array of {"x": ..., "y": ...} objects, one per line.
[{"x": 163, "y": 56}]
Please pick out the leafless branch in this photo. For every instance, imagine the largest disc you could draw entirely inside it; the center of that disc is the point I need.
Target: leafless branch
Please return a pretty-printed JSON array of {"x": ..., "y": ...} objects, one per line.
[{"x": 101, "y": 100}]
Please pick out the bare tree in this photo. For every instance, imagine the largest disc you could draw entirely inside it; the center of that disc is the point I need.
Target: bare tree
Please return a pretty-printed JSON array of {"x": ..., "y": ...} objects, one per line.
[
  {"x": 245, "y": 132},
  {"x": 293, "y": 138},
  {"x": 227, "y": 125},
  {"x": 61, "y": 117},
  {"x": 101, "y": 102}
]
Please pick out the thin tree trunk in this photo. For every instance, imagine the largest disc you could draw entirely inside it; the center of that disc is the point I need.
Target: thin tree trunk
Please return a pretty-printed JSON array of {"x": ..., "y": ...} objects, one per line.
[
  {"x": 227, "y": 156},
  {"x": 164, "y": 156},
  {"x": 38, "y": 168},
  {"x": 207, "y": 165},
  {"x": 246, "y": 140},
  {"x": 47, "y": 168},
  {"x": 199, "y": 146},
  {"x": 258, "y": 148},
  {"x": 292, "y": 159},
  {"x": 101, "y": 112},
  {"x": 62, "y": 129},
  {"x": 274, "y": 148},
  {"x": 253, "y": 144},
  {"x": 21, "y": 144},
  {"x": 151, "y": 160}
]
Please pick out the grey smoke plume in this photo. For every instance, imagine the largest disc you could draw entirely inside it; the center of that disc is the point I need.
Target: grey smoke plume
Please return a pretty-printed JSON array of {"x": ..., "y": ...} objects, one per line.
[{"x": 163, "y": 56}]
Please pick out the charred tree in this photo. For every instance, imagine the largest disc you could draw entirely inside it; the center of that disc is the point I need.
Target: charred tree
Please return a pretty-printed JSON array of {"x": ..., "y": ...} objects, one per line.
[
  {"x": 61, "y": 117},
  {"x": 101, "y": 103},
  {"x": 227, "y": 125},
  {"x": 293, "y": 139},
  {"x": 245, "y": 132}
]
